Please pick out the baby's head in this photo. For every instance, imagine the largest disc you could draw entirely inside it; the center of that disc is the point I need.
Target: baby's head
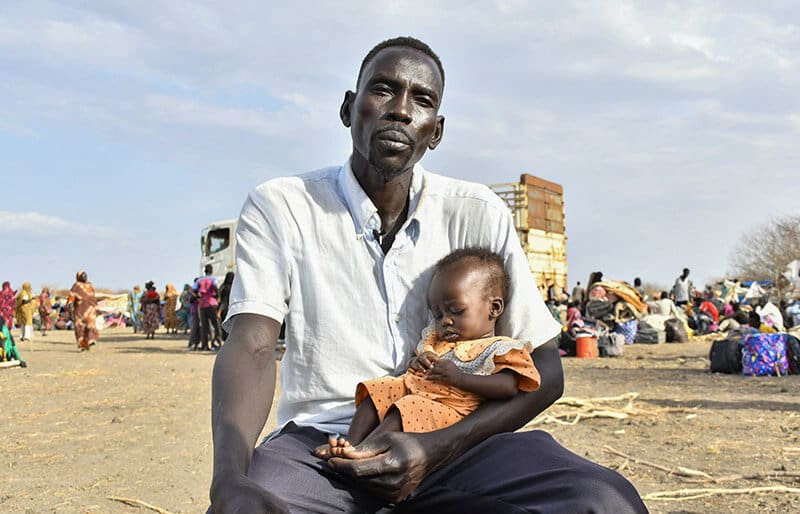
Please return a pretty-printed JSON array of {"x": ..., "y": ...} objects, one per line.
[{"x": 467, "y": 294}]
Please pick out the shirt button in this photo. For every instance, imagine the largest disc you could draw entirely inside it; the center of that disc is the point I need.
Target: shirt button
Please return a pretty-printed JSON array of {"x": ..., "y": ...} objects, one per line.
[{"x": 397, "y": 318}]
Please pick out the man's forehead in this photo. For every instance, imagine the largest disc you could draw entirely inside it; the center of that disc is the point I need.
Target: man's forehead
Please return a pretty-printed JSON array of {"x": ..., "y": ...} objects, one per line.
[{"x": 407, "y": 62}]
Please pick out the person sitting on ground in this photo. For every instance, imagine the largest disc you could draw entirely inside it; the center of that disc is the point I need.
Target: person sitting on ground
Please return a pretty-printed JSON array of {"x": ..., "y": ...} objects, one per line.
[
  {"x": 8, "y": 350},
  {"x": 460, "y": 360},
  {"x": 757, "y": 325},
  {"x": 344, "y": 256}
]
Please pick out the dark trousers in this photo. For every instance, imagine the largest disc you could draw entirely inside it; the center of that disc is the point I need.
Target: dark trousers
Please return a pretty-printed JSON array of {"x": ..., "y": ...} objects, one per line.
[
  {"x": 194, "y": 329},
  {"x": 525, "y": 472},
  {"x": 208, "y": 315}
]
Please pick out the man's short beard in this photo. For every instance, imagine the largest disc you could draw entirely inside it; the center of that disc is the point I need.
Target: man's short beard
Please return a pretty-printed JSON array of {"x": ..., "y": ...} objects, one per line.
[{"x": 386, "y": 170}]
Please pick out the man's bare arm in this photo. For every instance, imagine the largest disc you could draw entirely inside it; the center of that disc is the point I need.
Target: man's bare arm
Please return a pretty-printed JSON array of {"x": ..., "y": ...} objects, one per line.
[
  {"x": 243, "y": 385},
  {"x": 392, "y": 465}
]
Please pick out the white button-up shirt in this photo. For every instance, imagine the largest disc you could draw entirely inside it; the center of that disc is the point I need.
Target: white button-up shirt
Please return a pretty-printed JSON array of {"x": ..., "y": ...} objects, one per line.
[{"x": 306, "y": 253}]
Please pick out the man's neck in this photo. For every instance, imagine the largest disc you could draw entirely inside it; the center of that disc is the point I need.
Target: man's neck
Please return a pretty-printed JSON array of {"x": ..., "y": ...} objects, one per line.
[{"x": 390, "y": 196}]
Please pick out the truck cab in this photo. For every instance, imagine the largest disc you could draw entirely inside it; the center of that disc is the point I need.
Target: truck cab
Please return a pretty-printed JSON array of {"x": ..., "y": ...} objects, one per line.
[{"x": 218, "y": 248}]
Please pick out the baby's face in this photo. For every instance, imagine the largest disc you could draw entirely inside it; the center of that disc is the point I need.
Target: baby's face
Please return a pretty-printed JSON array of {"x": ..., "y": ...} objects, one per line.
[{"x": 461, "y": 309}]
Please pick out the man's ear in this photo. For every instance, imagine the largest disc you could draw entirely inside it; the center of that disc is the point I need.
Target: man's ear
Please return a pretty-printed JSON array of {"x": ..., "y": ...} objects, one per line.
[
  {"x": 438, "y": 133},
  {"x": 347, "y": 105},
  {"x": 498, "y": 306}
]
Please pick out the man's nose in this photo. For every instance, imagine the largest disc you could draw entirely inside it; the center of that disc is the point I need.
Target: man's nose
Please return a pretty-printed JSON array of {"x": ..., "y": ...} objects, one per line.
[
  {"x": 399, "y": 108},
  {"x": 447, "y": 321}
]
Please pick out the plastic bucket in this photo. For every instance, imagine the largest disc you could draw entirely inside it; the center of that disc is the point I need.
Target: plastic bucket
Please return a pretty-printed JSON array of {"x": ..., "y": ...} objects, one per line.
[{"x": 586, "y": 347}]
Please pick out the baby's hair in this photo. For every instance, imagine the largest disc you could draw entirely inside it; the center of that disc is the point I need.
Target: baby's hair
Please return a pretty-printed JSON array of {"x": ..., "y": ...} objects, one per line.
[{"x": 496, "y": 275}]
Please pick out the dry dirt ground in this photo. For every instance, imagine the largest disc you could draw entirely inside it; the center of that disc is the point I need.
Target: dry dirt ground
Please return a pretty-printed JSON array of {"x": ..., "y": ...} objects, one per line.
[{"x": 130, "y": 419}]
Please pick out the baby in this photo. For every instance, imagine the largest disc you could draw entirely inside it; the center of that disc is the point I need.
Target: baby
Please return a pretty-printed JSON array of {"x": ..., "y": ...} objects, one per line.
[{"x": 459, "y": 362}]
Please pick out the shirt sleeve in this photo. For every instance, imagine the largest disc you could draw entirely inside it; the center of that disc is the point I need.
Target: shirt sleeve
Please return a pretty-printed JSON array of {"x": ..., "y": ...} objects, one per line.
[
  {"x": 526, "y": 316},
  {"x": 262, "y": 282}
]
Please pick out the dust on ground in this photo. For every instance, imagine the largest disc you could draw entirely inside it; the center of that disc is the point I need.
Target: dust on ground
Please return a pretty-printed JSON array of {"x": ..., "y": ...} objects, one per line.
[{"x": 131, "y": 417}]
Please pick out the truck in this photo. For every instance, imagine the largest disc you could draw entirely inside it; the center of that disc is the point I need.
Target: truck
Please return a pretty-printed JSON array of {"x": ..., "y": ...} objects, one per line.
[
  {"x": 218, "y": 248},
  {"x": 536, "y": 204}
]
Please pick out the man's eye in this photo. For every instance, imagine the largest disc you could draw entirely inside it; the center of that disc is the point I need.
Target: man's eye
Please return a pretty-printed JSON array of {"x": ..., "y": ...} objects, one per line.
[
  {"x": 437, "y": 315},
  {"x": 457, "y": 312},
  {"x": 424, "y": 101},
  {"x": 381, "y": 89}
]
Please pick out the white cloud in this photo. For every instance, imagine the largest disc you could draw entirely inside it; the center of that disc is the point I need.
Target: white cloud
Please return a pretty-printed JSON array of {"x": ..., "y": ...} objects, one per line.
[{"x": 34, "y": 223}]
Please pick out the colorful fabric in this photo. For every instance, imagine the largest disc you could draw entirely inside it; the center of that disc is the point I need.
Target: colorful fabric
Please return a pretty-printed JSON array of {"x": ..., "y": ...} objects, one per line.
[
  {"x": 45, "y": 309},
  {"x": 628, "y": 330},
  {"x": 710, "y": 309},
  {"x": 206, "y": 289},
  {"x": 25, "y": 307},
  {"x": 8, "y": 350},
  {"x": 84, "y": 316},
  {"x": 151, "y": 318},
  {"x": 764, "y": 354},
  {"x": 427, "y": 405},
  {"x": 170, "y": 306},
  {"x": 8, "y": 304},
  {"x": 135, "y": 308},
  {"x": 184, "y": 313}
]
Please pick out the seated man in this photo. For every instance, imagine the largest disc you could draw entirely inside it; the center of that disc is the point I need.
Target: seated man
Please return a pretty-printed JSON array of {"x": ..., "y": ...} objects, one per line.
[{"x": 344, "y": 255}]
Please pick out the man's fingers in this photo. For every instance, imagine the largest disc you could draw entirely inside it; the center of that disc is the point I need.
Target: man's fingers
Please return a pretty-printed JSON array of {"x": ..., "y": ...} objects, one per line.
[{"x": 359, "y": 467}]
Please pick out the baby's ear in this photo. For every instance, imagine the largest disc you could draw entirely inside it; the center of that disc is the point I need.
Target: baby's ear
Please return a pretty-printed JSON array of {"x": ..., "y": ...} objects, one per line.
[{"x": 498, "y": 305}]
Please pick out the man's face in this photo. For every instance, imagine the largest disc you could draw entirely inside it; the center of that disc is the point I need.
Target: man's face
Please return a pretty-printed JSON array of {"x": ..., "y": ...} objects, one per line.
[
  {"x": 393, "y": 117},
  {"x": 461, "y": 309}
]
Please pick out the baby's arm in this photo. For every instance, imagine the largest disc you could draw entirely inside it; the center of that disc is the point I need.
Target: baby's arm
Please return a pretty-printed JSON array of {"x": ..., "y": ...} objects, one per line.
[{"x": 495, "y": 387}]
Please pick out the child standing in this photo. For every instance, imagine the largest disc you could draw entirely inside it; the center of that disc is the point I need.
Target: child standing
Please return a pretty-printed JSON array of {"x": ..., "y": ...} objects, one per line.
[{"x": 460, "y": 360}]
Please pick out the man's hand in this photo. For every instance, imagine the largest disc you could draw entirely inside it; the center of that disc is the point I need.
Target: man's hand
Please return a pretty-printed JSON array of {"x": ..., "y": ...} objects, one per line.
[
  {"x": 391, "y": 465},
  {"x": 423, "y": 362},
  {"x": 240, "y": 495},
  {"x": 447, "y": 372}
]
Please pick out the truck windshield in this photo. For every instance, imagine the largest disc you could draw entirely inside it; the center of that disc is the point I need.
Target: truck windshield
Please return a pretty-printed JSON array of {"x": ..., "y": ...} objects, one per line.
[{"x": 217, "y": 240}]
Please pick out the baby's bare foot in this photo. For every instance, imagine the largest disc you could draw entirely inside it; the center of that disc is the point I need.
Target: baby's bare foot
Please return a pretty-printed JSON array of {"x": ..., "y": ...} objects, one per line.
[{"x": 334, "y": 448}]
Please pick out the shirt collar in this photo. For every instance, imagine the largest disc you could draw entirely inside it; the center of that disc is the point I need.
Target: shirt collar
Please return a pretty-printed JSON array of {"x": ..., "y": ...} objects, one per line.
[{"x": 363, "y": 211}]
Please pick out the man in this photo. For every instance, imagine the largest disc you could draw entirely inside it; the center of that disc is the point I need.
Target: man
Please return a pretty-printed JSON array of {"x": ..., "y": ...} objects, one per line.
[
  {"x": 637, "y": 284},
  {"x": 682, "y": 288},
  {"x": 344, "y": 254},
  {"x": 205, "y": 289},
  {"x": 578, "y": 294}
]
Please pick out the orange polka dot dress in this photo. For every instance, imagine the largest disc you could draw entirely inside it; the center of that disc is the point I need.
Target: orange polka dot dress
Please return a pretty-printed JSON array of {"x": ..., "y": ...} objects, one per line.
[{"x": 426, "y": 405}]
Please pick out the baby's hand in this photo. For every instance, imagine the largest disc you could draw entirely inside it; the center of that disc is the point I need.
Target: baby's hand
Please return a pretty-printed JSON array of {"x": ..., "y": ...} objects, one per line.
[
  {"x": 445, "y": 371},
  {"x": 423, "y": 362}
]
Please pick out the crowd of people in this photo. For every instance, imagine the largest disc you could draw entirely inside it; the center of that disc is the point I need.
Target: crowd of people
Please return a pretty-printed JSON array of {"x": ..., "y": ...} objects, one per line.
[
  {"x": 605, "y": 306},
  {"x": 196, "y": 312}
]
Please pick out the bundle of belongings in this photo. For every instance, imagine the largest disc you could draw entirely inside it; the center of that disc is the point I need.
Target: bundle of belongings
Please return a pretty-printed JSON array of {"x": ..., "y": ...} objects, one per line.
[
  {"x": 619, "y": 307},
  {"x": 754, "y": 353}
]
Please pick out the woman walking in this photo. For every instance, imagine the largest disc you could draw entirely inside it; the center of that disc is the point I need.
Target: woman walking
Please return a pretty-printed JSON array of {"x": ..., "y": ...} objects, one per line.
[
  {"x": 84, "y": 311},
  {"x": 170, "y": 306},
  {"x": 135, "y": 308},
  {"x": 24, "y": 311},
  {"x": 45, "y": 309},
  {"x": 8, "y": 304},
  {"x": 151, "y": 310},
  {"x": 184, "y": 313}
]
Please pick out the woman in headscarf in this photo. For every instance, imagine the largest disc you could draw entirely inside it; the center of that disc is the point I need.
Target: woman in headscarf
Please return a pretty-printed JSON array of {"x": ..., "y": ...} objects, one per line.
[
  {"x": 24, "y": 311},
  {"x": 84, "y": 311},
  {"x": 45, "y": 308},
  {"x": 8, "y": 304},
  {"x": 135, "y": 308},
  {"x": 151, "y": 310},
  {"x": 170, "y": 305},
  {"x": 184, "y": 313}
]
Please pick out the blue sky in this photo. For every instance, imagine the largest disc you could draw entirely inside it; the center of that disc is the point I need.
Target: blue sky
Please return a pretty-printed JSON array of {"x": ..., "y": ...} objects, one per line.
[{"x": 128, "y": 126}]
